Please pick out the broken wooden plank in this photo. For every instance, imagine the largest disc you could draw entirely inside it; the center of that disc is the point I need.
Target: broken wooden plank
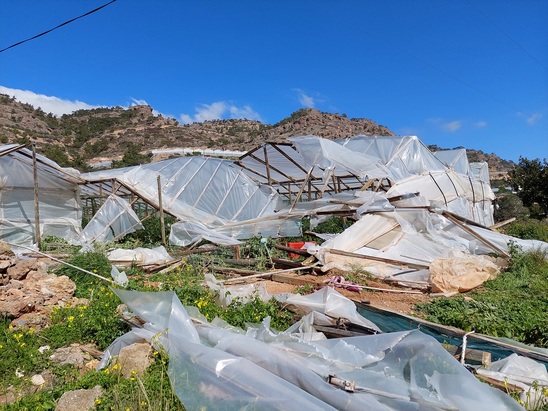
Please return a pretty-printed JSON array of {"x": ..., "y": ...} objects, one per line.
[
  {"x": 380, "y": 259},
  {"x": 502, "y": 223},
  {"x": 473, "y": 355},
  {"x": 291, "y": 250},
  {"x": 237, "y": 271},
  {"x": 486, "y": 242},
  {"x": 294, "y": 280}
]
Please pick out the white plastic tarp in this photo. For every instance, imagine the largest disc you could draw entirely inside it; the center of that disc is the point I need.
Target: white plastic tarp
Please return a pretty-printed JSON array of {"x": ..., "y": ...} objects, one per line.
[
  {"x": 113, "y": 220},
  {"x": 140, "y": 255},
  {"x": 58, "y": 198},
  {"x": 326, "y": 153},
  {"x": 331, "y": 303},
  {"x": 219, "y": 369},
  {"x": 525, "y": 373},
  {"x": 203, "y": 193}
]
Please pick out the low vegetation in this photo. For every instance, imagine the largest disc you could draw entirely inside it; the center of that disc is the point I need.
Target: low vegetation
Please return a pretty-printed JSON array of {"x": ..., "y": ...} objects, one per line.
[{"x": 509, "y": 306}]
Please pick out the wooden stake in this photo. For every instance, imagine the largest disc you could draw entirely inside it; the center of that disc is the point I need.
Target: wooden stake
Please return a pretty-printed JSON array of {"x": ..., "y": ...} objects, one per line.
[
  {"x": 37, "y": 236},
  {"x": 161, "y": 208}
]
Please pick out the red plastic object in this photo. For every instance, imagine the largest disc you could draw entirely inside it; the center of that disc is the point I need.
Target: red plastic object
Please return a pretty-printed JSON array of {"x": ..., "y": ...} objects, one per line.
[{"x": 297, "y": 246}]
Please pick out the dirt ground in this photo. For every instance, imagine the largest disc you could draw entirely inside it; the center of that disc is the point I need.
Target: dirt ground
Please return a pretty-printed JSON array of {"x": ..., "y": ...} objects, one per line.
[{"x": 397, "y": 299}]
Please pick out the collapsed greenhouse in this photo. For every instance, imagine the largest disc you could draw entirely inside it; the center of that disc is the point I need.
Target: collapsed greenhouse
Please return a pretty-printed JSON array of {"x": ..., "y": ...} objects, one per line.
[{"x": 420, "y": 219}]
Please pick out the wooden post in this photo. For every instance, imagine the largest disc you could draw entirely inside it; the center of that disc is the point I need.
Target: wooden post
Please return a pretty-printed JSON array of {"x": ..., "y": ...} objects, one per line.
[
  {"x": 300, "y": 193},
  {"x": 161, "y": 208},
  {"x": 267, "y": 166},
  {"x": 36, "y": 202}
]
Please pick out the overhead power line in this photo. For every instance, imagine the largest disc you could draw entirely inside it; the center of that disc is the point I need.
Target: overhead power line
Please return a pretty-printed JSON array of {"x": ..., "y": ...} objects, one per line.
[
  {"x": 508, "y": 36},
  {"x": 56, "y": 27}
]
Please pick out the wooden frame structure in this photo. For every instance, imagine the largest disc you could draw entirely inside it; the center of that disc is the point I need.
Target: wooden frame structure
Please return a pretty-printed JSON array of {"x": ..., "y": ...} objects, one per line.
[{"x": 281, "y": 166}]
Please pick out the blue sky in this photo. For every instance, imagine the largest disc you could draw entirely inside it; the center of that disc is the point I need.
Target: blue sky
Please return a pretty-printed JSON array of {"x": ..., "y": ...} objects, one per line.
[{"x": 470, "y": 73}]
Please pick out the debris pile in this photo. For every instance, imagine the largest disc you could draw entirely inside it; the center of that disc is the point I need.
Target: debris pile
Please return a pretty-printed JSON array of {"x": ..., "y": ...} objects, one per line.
[{"x": 28, "y": 292}]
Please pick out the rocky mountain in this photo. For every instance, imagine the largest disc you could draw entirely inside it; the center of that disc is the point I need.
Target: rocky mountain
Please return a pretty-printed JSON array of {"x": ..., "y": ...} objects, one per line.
[{"x": 88, "y": 136}]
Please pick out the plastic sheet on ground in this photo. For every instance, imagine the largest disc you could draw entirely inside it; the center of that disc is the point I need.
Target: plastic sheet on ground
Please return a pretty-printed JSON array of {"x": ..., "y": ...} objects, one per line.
[
  {"x": 332, "y": 304},
  {"x": 243, "y": 292},
  {"x": 530, "y": 375},
  {"x": 140, "y": 256},
  {"x": 217, "y": 369},
  {"x": 450, "y": 256}
]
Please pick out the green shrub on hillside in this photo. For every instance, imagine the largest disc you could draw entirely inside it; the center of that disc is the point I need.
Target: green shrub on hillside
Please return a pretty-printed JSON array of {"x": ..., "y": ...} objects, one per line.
[{"x": 528, "y": 229}]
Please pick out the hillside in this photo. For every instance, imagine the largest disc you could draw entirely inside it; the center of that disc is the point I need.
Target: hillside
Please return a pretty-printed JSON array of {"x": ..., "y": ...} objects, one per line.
[{"x": 84, "y": 136}]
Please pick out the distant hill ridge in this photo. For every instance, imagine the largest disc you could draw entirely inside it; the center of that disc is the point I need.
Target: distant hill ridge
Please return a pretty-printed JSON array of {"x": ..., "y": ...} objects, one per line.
[{"x": 86, "y": 136}]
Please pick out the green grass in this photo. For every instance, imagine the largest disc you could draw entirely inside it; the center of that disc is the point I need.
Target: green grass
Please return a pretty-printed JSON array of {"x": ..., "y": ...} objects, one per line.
[
  {"x": 513, "y": 305},
  {"x": 93, "y": 318}
]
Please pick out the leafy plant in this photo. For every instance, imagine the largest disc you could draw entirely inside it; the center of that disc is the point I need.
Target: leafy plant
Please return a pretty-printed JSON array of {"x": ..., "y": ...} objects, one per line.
[{"x": 507, "y": 306}]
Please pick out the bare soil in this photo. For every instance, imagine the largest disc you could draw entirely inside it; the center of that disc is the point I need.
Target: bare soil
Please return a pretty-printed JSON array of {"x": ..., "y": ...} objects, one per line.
[{"x": 397, "y": 299}]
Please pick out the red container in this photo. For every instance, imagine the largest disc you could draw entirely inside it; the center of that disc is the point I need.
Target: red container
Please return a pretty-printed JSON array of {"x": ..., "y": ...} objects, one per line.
[{"x": 297, "y": 246}]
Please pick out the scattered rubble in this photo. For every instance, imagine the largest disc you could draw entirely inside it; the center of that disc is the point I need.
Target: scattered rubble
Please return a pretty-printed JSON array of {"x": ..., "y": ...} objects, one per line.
[{"x": 28, "y": 292}]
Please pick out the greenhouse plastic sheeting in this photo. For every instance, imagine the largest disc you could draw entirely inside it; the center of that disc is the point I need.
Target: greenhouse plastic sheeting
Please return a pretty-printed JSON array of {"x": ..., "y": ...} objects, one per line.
[
  {"x": 409, "y": 236},
  {"x": 58, "y": 195},
  {"x": 113, "y": 220},
  {"x": 525, "y": 373},
  {"x": 209, "y": 190},
  {"x": 204, "y": 193},
  {"x": 326, "y": 153},
  {"x": 276, "y": 225},
  {"x": 219, "y": 369},
  {"x": 409, "y": 165},
  {"x": 331, "y": 303},
  {"x": 141, "y": 256}
]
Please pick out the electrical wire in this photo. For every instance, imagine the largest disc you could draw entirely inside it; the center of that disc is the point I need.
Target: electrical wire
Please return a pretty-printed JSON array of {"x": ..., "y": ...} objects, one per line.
[
  {"x": 508, "y": 36},
  {"x": 60, "y": 25}
]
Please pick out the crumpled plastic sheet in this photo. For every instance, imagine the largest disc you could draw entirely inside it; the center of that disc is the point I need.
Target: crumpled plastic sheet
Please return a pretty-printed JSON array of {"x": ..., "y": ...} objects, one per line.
[
  {"x": 523, "y": 372},
  {"x": 113, "y": 220},
  {"x": 243, "y": 293},
  {"x": 216, "y": 368},
  {"x": 139, "y": 255}
]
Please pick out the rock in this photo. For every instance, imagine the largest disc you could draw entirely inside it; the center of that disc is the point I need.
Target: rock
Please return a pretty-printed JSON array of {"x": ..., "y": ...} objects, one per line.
[
  {"x": 5, "y": 250},
  {"x": 14, "y": 308},
  {"x": 79, "y": 400},
  {"x": 4, "y": 265},
  {"x": 134, "y": 359},
  {"x": 37, "y": 379},
  {"x": 31, "y": 289},
  {"x": 92, "y": 365},
  {"x": 20, "y": 270},
  {"x": 35, "y": 320},
  {"x": 73, "y": 355}
]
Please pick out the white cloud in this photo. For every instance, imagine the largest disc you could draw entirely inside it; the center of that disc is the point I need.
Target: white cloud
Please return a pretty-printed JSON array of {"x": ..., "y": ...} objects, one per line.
[
  {"x": 141, "y": 102},
  {"x": 452, "y": 126},
  {"x": 220, "y": 110},
  {"x": 480, "y": 124},
  {"x": 304, "y": 99},
  {"x": 449, "y": 126},
  {"x": 534, "y": 118},
  {"x": 49, "y": 104},
  {"x": 137, "y": 102}
]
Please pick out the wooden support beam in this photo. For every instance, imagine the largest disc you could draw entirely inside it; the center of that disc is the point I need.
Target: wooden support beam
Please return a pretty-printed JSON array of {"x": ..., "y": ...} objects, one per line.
[
  {"x": 161, "y": 208},
  {"x": 37, "y": 235},
  {"x": 486, "y": 242},
  {"x": 379, "y": 259}
]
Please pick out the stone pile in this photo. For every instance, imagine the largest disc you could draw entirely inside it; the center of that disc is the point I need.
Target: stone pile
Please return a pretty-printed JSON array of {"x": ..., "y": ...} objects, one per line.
[{"x": 28, "y": 292}]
